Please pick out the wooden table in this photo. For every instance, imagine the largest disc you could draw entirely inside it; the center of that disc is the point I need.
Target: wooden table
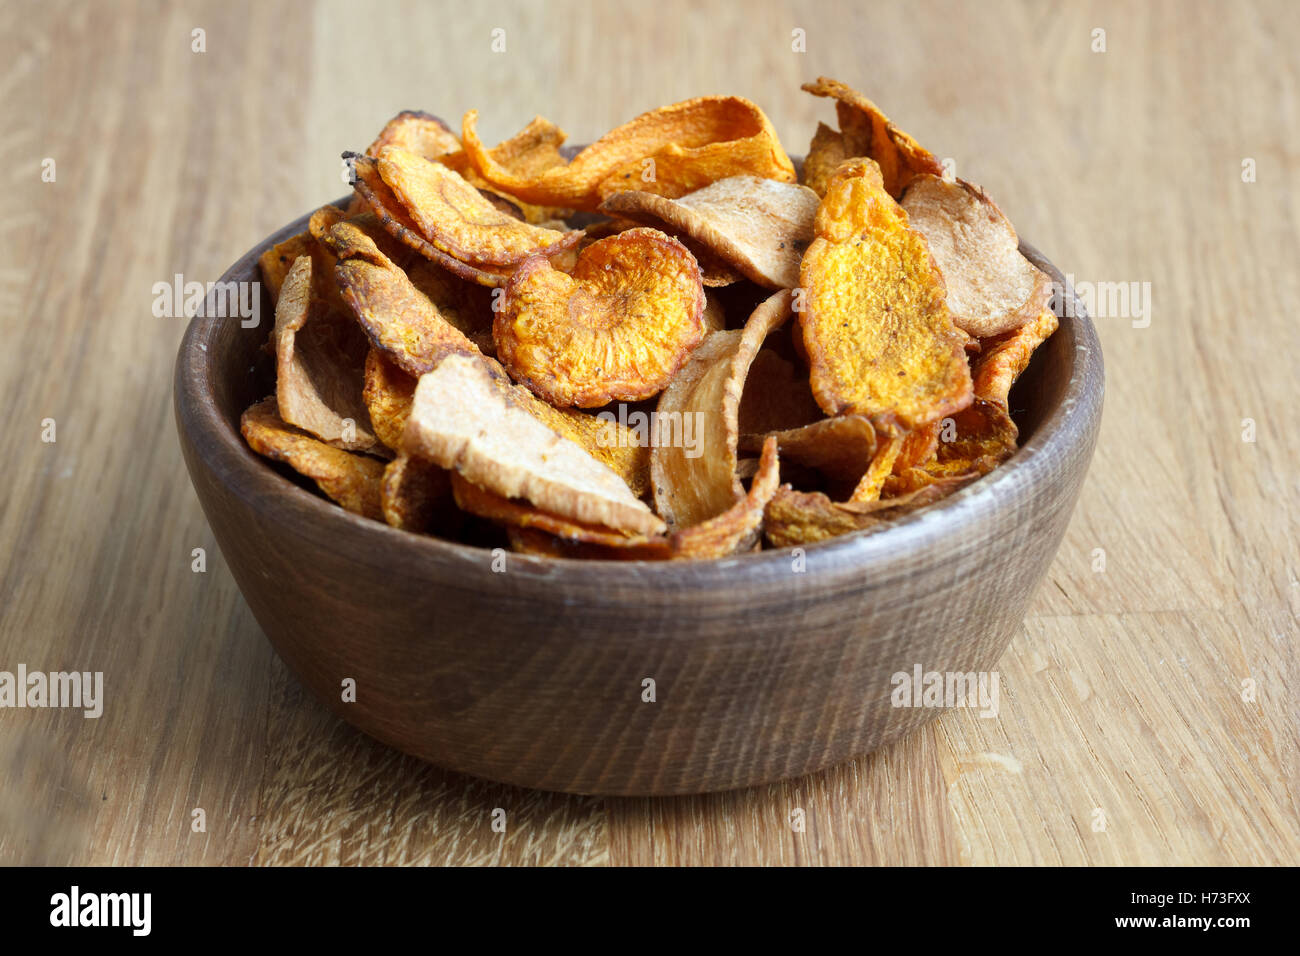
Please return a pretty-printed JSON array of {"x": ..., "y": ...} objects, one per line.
[{"x": 1127, "y": 733}]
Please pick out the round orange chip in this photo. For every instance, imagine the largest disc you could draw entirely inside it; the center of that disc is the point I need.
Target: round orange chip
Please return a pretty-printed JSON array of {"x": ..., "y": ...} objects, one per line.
[
  {"x": 616, "y": 328},
  {"x": 879, "y": 337}
]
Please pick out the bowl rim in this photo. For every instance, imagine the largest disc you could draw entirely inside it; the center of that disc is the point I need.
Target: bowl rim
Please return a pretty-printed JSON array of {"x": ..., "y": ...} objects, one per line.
[{"x": 245, "y": 474}]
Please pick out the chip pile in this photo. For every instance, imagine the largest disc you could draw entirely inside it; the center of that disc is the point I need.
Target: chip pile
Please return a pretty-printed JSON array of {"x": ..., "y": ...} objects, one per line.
[{"x": 665, "y": 346}]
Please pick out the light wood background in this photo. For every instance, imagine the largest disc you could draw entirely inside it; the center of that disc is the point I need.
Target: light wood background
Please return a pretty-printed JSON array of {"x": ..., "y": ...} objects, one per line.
[{"x": 1122, "y": 695}]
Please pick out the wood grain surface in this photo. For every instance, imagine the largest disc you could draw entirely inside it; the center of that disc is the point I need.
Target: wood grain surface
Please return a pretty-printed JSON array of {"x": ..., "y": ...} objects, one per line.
[{"x": 1148, "y": 711}]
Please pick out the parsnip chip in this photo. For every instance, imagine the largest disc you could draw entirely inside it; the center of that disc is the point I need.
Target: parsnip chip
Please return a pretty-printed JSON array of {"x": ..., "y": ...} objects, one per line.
[
  {"x": 670, "y": 151},
  {"x": 797, "y": 518},
  {"x": 416, "y": 496},
  {"x": 692, "y": 485},
  {"x": 388, "y": 393},
  {"x": 455, "y": 217},
  {"x": 462, "y": 421},
  {"x": 759, "y": 226},
  {"x": 714, "y": 317},
  {"x": 735, "y": 531},
  {"x": 398, "y": 223},
  {"x": 867, "y": 132},
  {"x": 419, "y": 132},
  {"x": 992, "y": 288},
  {"x": 320, "y": 354},
  {"x": 351, "y": 480},
  {"x": 879, "y": 338},
  {"x": 398, "y": 317},
  {"x": 618, "y": 328}
]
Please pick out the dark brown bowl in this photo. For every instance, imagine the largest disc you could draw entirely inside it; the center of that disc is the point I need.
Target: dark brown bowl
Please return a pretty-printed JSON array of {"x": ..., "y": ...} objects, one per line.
[{"x": 535, "y": 675}]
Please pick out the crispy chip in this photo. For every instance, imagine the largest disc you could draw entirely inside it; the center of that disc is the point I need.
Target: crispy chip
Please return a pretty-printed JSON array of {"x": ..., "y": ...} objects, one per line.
[
  {"x": 694, "y": 484},
  {"x": 276, "y": 262},
  {"x": 323, "y": 220},
  {"x": 1002, "y": 359},
  {"x": 394, "y": 218},
  {"x": 319, "y": 358},
  {"x": 388, "y": 393},
  {"x": 945, "y": 474},
  {"x": 735, "y": 531},
  {"x": 825, "y": 154},
  {"x": 714, "y": 317},
  {"x": 840, "y": 448},
  {"x": 669, "y": 151},
  {"x": 462, "y": 421},
  {"x": 983, "y": 430},
  {"x": 881, "y": 467},
  {"x": 416, "y": 496},
  {"x": 759, "y": 226},
  {"x": 353, "y": 481},
  {"x": 454, "y": 216},
  {"x": 795, "y": 517},
  {"x": 867, "y": 132},
  {"x": 398, "y": 317},
  {"x": 776, "y": 397},
  {"x": 419, "y": 132},
  {"x": 529, "y": 153},
  {"x": 992, "y": 288},
  {"x": 616, "y": 329},
  {"x": 879, "y": 339}
]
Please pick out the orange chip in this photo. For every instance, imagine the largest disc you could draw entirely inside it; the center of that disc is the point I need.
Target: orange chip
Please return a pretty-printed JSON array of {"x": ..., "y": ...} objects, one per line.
[
  {"x": 867, "y": 132},
  {"x": 319, "y": 358},
  {"x": 943, "y": 474},
  {"x": 464, "y": 421},
  {"x": 353, "y": 481},
  {"x": 1002, "y": 359},
  {"x": 276, "y": 262},
  {"x": 825, "y": 154},
  {"x": 388, "y": 394},
  {"x": 984, "y": 430},
  {"x": 455, "y": 217},
  {"x": 398, "y": 317},
  {"x": 394, "y": 218},
  {"x": 616, "y": 329},
  {"x": 760, "y": 227},
  {"x": 419, "y": 132},
  {"x": 692, "y": 485},
  {"x": 416, "y": 496},
  {"x": 881, "y": 467},
  {"x": 324, "y": 219},
  {"x": 796, "y": 518},
  {"x": 670, "y": 151},
  {"x": 879, "y": 338},
  {"x": 529, "y": 153},
  {"x": 991, "y": 287}
]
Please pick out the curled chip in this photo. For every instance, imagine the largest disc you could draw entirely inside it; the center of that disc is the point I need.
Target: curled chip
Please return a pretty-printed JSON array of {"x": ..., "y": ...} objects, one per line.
[
  {"x": 947, "y": 475},
  {"x": 670, "y": 151},
  {"x": 867, "y": 132},
  {"x": 419, "y": 132},
  {"x": 992, "y": 288},
  {"x": 398, "y": 317},
  {"x": 1002, "y": 359},
  {"x": 879, "y": 338},
  {"x": 840, "y": 448},
  {"x": 388, "y": 394},
  {"x": 462, "y": 421},
  {"x": 455, "y": 217},
  {"x": 758, "y": 226},
  {"x": 276, "y": 262},
  {"x": 796, "y": 517},
  {"x": 735, "y": 531},
  {"x": 353, "y": 481},
  {"x": 825, "y": 154},
  {"x": 617, "y": 328},
  {"x": 529, "y": 153},
  {"x": 393, "y": 216},
  {"x": 319, "y": 357},
  {"x": 416, "y": 496},
  {"x": 694, "y": 482},
  {"x": 882, "y": 466}
]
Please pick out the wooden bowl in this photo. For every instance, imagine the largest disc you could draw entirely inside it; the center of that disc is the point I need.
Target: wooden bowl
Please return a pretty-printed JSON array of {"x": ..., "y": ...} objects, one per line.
[{"x": 535, "y": 675}]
